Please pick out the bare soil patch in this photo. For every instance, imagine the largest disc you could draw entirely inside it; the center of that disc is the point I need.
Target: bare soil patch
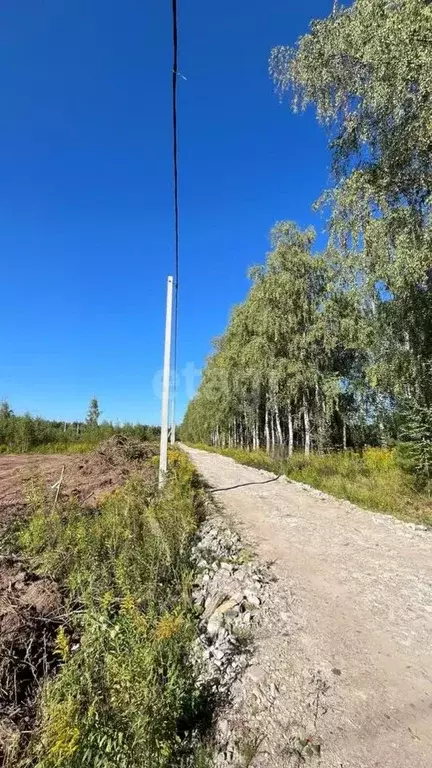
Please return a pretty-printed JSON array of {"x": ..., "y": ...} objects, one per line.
[{"x": 86, "y": 476}]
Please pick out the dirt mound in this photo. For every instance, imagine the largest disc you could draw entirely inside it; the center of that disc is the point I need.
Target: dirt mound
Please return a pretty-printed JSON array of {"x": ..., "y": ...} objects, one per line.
[
  {"x": 30, "y": 614},
  {"x": 108, "y": 467},
  {"x": 120, "y": 450}
]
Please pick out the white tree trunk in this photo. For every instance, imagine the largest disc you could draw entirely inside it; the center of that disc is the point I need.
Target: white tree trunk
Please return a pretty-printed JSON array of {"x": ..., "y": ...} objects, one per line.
[
  {"x": 272, "y": 431},
  {"x": 344, "y": 435},
  {"x": 267, "y": 430},
  {"x": 290, "y": 432},
  {"x": 383, "y": 436},
  {"x": 307, "y": 434},
  {"x": 278, "y": 426},
  {"x": 246, "y": 431}
]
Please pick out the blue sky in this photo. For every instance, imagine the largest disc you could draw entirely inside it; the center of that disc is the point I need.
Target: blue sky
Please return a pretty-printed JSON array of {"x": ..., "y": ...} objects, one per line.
[{"x": 86, "y": 232}]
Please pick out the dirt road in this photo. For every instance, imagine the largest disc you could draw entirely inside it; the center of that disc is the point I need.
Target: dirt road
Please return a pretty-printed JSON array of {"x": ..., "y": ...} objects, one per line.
[{"x": 349, "y": 646}]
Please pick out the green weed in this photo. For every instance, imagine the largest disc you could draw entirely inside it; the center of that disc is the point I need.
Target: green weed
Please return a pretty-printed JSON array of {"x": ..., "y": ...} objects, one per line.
[
  {"x": 249, "y": 746},
  {"x": 126, "y": 694},
  {"x": 59, "y": 447},
  {"x": 120, "y": 698}
]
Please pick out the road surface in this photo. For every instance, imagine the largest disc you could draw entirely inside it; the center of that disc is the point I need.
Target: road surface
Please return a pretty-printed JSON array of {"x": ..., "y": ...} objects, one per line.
[{"x": 351, "y": 644}]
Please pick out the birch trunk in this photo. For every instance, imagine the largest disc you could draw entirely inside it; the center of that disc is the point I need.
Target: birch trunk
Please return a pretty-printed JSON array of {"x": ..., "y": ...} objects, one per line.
[
  {"x": 267, "y": 430},
  {"x": 272, "y": 431},
  {"x": 278, "y": 426},
  {"x": 307, "y": 435},
  {"x": 290, "y": 432}
]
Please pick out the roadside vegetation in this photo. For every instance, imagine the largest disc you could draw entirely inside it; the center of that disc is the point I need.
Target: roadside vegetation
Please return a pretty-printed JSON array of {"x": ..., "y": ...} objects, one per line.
[
  {"x": 32, "y": 434},
  {"x": 332, "y": 348},
  {"x": 372, "y": 479},
  {"x": 124, "y": 693}
]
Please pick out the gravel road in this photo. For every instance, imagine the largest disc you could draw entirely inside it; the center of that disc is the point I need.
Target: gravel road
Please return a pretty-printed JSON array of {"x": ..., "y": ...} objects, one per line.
[{"x": 349, "y": 645}]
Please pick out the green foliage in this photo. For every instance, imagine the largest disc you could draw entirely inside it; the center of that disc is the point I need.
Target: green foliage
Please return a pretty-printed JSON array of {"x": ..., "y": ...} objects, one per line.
[
  {"x": 367, "y": 69},
  {"x": 119, "y": 699},
  {"x": 83, "y": 446},
  {"x": 135, "y": 544},
  {"x": 22, "y": 434},
  {"x": 415, "y": 449},
  {"x": 126, "y": 696},
  {"x": 327, "y": 347},
  {"x": 372, "y": 91},
  {"x": 290, "y": 367},
  {"x": 93, "y": 413}
]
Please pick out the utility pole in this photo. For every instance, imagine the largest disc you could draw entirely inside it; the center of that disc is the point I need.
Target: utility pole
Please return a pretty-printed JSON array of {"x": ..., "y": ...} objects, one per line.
[
  {"x": 163, "y": 462},
  {"x": 174, "y": 381}
]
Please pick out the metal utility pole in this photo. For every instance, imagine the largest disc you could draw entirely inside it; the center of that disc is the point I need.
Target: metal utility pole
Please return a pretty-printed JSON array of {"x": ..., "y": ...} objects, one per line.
[{"x": 166, "y": 386}]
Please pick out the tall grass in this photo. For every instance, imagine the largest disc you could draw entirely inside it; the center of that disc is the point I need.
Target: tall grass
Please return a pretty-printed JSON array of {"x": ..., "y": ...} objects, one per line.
[
  {"x": 73, "y": 448},
  {"x": 372, "y": 480},
  {"x": 126, "y": 695}
]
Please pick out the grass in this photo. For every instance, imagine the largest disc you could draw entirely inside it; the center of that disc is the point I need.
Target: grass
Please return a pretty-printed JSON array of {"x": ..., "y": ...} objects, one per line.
[
  {"x": 50, "y": 448},
  {"x": 372, "y": 480},
  {"x": 126, "y": 693}
]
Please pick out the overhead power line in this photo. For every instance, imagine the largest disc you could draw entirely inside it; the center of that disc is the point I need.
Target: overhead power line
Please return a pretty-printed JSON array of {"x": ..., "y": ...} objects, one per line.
[{"x": 176, "y": 202}]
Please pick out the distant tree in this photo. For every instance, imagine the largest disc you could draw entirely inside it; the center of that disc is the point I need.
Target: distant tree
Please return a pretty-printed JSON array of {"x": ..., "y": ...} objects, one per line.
[
  {"x": 93, "y": 413},
  {"x": 5, "y": 410},
  {"x": 6, "y": 422},
  {"x": 24, "y": 433}
]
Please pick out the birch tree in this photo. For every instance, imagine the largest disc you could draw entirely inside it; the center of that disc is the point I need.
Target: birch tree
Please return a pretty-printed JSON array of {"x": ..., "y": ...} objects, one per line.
[
  {"x": 367, "y": 70},
  {"x": 280, "y": 375}
]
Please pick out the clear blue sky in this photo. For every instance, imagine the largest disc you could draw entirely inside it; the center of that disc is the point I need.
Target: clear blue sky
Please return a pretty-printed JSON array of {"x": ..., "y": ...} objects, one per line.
[{"x": 86, "y": 188}]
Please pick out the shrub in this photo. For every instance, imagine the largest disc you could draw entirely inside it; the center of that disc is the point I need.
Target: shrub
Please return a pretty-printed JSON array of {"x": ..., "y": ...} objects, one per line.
[
  {"x": 415, "y": 449},
  {"x": 126, "y": 696},
  {"x": 119, "y": 699}
]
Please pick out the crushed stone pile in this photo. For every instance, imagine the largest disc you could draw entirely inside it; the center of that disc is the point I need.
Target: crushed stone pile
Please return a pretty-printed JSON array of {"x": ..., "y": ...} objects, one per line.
[{"x": 230, "y": 589}]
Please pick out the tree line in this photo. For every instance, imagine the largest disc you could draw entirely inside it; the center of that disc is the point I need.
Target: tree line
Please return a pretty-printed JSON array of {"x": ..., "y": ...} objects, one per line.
[
  {"x": 333, "y": 348},
  {"x": 27, "y": 432}
]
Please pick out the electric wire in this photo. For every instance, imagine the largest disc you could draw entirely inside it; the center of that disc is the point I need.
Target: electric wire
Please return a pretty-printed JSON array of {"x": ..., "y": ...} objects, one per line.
[{"x": 176, "y": 186}]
